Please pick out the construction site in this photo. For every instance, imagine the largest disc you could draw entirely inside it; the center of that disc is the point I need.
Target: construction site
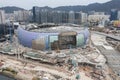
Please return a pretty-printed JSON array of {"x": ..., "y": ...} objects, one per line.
[{"x": 59, "y": 53}]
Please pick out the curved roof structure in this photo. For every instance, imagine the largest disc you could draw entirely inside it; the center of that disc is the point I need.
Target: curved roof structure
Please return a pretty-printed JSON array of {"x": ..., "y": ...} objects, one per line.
[{"x": 48, "y": 35}]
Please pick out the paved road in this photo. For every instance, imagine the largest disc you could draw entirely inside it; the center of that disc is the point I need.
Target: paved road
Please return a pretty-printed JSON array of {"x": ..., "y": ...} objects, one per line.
[
  {"x": 108, "y": 35},
  {"x": 112, "y": 56},
  {"x": 113, "y": 59}
]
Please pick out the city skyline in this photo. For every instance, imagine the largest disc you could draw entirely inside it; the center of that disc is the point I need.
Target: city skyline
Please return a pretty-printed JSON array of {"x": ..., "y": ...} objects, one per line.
[{"x": 42, "y": 3}]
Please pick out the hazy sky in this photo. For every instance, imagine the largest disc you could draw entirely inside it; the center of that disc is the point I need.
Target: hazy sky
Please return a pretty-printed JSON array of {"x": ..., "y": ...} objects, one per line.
[{"x": 27, "y": 4}]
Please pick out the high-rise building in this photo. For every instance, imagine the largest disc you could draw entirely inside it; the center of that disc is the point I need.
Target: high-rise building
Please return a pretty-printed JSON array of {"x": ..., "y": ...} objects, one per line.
[
  {"x": 9, "y": 17},
  {"x": 113, "y": 14},
  {"x": 71, "y": 17},
  {"x": 118, "y": 15},
  {"x": 83, "y": 17},
  {"x": 22, "y": 15},
  {"x": 2, "y": 17},
  {"x": 36, "y": 14},
  {"x": 65, "y": 17},
  {"x": 57, "y": 17},
  {"x": 46, "y": 15},
  {"x": 77, "y": 18}
]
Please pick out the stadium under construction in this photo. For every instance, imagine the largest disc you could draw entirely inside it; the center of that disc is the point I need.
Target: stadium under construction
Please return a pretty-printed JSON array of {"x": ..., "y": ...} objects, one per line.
[{"x": 52, "y": 38}]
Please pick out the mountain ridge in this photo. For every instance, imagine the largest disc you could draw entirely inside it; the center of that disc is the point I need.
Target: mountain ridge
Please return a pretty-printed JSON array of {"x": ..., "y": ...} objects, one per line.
[
  {"x": 100, "y": 7},
  {"x": 11, "y": 9}
]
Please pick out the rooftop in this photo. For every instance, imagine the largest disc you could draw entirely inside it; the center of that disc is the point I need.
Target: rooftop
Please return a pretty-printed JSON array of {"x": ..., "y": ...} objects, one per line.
[{"x": 53, "y": 29}]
